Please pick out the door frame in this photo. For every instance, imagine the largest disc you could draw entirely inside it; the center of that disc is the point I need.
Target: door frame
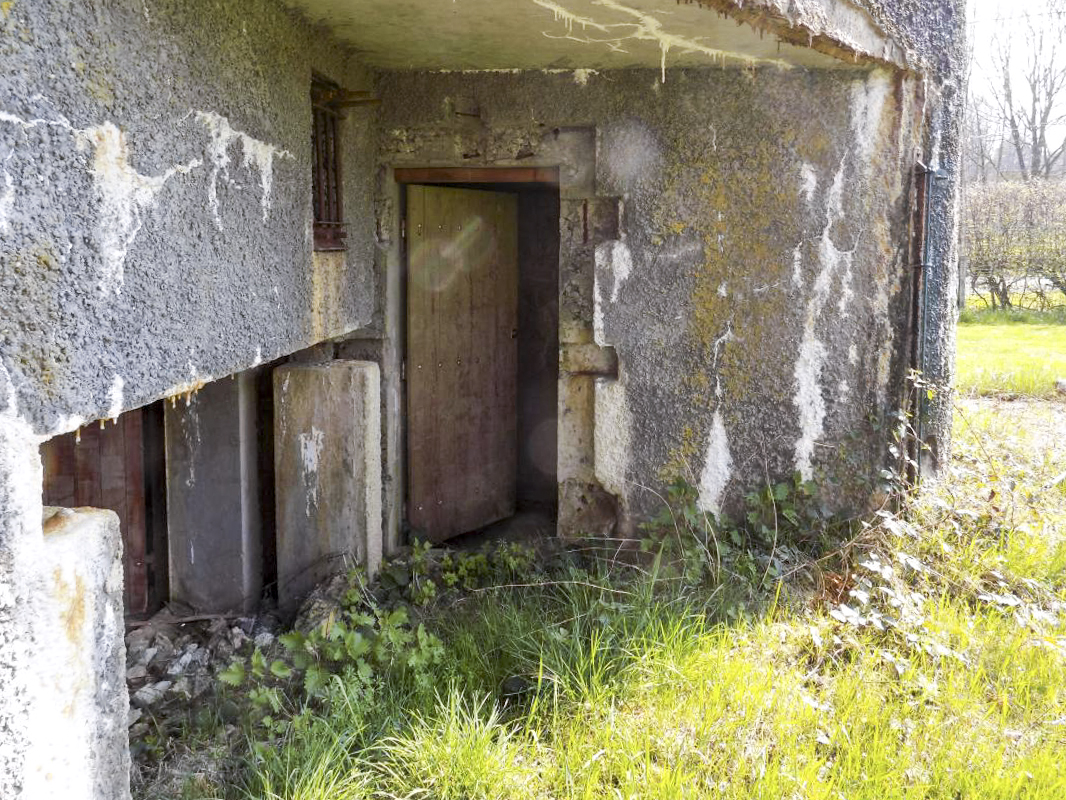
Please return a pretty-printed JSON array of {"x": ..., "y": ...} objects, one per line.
[{"x": 540, "y": 177}]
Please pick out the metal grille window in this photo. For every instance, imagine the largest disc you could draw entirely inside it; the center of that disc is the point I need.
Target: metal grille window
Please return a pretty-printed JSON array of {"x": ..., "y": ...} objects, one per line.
[{"x": 326, "y": 167}]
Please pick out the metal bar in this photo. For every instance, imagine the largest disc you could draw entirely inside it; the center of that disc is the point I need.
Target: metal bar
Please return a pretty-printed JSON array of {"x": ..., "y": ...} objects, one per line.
[{"x": 338, "y": 164}]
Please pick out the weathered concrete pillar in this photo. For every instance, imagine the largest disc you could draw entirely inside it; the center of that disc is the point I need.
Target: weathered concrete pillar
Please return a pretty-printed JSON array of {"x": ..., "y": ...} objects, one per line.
[
  {"x": 63, "y": 700},
  {"x": 327, "y": 472},
  {"x": 213, "y": 509}
]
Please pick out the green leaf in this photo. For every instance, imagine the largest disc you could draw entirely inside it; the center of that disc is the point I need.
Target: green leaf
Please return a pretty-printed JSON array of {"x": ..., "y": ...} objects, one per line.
[
  {"x": 356, "y": 644},
  {"x": 258, "y": 664},
  {"x": 301, "y": 659},
  {"x": 292, "y": 641},
  {"x": 364, "y": 670},
  {"x": 233, "y": 674},
  {"x": 280, "y": 669},
  {"x": 314, "y": 679}
]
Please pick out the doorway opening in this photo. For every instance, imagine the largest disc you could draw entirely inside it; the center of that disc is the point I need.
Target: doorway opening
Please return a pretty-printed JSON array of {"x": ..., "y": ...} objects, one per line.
[{"x": 481, "y": 360}]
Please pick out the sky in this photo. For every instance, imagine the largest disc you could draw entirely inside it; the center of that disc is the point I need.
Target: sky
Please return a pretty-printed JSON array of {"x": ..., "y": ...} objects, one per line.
[{"x": 992, "y": 22}]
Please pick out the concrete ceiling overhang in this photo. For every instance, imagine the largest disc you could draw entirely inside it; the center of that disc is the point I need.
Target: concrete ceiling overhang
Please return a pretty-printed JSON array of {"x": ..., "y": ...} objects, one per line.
[{"x": 602, "y": 34}]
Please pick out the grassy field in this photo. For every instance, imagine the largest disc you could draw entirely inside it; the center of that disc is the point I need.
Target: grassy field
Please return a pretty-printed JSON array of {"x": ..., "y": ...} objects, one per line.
[
  {"x": 1010, "y": 353},
  {"x": 924, "y": 658}
]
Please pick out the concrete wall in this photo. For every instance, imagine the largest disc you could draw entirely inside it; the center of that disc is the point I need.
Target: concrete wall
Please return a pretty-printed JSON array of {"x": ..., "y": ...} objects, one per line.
[
  {"x": 746, "y": 260},
  {"x": 155, "y": 199}
]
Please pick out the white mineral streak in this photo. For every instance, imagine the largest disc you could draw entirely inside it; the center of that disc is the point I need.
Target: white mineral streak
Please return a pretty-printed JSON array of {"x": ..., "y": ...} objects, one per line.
[
  {"x": 797, "y": 265},
  {"x": 124, "y": 196},
  {"x": 310, "y": 450},
  {"x": 581, "y": 76},
  {"x": 612, "y": 258},
  {"x": 717, "y": 460},
  {"x": 717, "y": 467},
  {"x": 644, "y": 27},
  {"x": 114, "y": 397},
  {"x": 867, "y": 105},
  {"x": 65, "y": 424},
  {"x": 868, "y": 101},
  {"x": 808, "y": 182},
  {"x": 808, "y": 371},
  {"x": 254, "y": 153},
  {"x": 123, "y": 193}
]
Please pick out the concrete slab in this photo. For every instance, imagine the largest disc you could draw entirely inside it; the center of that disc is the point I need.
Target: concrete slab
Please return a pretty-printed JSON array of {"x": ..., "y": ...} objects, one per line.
[
  {"x": 213, "y": 508},
  {"x": 327, "y": 472}
]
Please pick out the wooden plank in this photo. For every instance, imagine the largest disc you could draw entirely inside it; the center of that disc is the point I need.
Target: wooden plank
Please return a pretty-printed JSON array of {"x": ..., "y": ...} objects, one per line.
[
  {"x": 545, "y": 175},
  {"x": 135, "y": 532},
  {"x": 155, "y": 504},
  {"x": 112, "y": 476},
  {"x": 57, "y": 460},
  {"x": 87, "y": 488}
]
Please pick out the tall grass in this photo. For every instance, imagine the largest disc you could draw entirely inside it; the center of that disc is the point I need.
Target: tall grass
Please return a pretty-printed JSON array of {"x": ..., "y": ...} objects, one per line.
[
  {"x": 940, "y": 674},
  {"x": 1003, "y": 354}
]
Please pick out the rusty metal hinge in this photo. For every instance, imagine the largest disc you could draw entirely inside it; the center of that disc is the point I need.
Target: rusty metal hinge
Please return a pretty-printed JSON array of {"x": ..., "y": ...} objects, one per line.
[{"x": 403, "y": 228}]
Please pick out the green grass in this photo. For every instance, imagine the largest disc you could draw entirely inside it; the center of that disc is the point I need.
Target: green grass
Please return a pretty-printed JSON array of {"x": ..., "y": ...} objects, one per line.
[
  {"x": 1010, "y": 352},
  {"x": 926, "y": 659}
]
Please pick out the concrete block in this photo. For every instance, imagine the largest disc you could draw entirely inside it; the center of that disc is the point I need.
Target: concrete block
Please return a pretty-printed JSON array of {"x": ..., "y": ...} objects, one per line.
[
  {"x": 63, "y": 700},
  {"x": 574, "y": 149},
  {"x": 577, "y": 415},
  {"x": 213, "y": 507},
  {"x": 78, "y": 746},
  {"x": 588, "y": 359},
  {"x": 327, "y": 472}
]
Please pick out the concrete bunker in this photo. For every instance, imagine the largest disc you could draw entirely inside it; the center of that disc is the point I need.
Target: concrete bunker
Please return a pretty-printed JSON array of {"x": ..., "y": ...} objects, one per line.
[{"x": 731, "y": 209}]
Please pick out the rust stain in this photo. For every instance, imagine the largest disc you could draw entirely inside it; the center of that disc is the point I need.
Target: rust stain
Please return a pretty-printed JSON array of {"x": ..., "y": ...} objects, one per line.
[{"x": 72, "y": 607}]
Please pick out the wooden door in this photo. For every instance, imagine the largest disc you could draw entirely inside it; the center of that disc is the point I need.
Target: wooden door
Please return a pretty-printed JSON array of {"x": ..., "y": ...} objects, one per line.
[
  {"x": 104, "y": 468},
  {"x": 462, "y": 312}
]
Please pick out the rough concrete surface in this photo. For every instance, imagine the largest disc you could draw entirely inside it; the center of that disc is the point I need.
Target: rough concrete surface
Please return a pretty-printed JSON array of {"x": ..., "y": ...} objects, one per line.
[
  {"x": 155, "y": 199},
  {"x": 327, "y": 455}
]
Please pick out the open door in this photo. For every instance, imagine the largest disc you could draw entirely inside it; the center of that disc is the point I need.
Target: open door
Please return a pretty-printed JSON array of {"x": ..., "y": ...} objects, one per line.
[{"x": 462, "y": 316}]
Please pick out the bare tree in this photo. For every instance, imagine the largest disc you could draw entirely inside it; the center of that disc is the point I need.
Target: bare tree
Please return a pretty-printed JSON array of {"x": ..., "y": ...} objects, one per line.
[
  {"x": 1031, "y": 100},
  {"x": 984, "y": 133}
]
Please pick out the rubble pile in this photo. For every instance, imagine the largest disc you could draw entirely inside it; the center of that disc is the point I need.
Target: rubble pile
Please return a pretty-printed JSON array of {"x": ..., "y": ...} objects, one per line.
[{"x": 171, "y": 662}]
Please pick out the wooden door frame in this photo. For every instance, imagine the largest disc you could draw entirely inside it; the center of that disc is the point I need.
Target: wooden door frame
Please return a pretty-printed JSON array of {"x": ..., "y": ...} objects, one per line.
[{"x": 528, "y": 177}]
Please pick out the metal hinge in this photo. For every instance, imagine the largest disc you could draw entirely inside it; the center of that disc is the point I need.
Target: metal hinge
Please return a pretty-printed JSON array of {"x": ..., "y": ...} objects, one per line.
[
  {"x": 403, "y": 228},
  {"x": 403, "y": 369}
]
